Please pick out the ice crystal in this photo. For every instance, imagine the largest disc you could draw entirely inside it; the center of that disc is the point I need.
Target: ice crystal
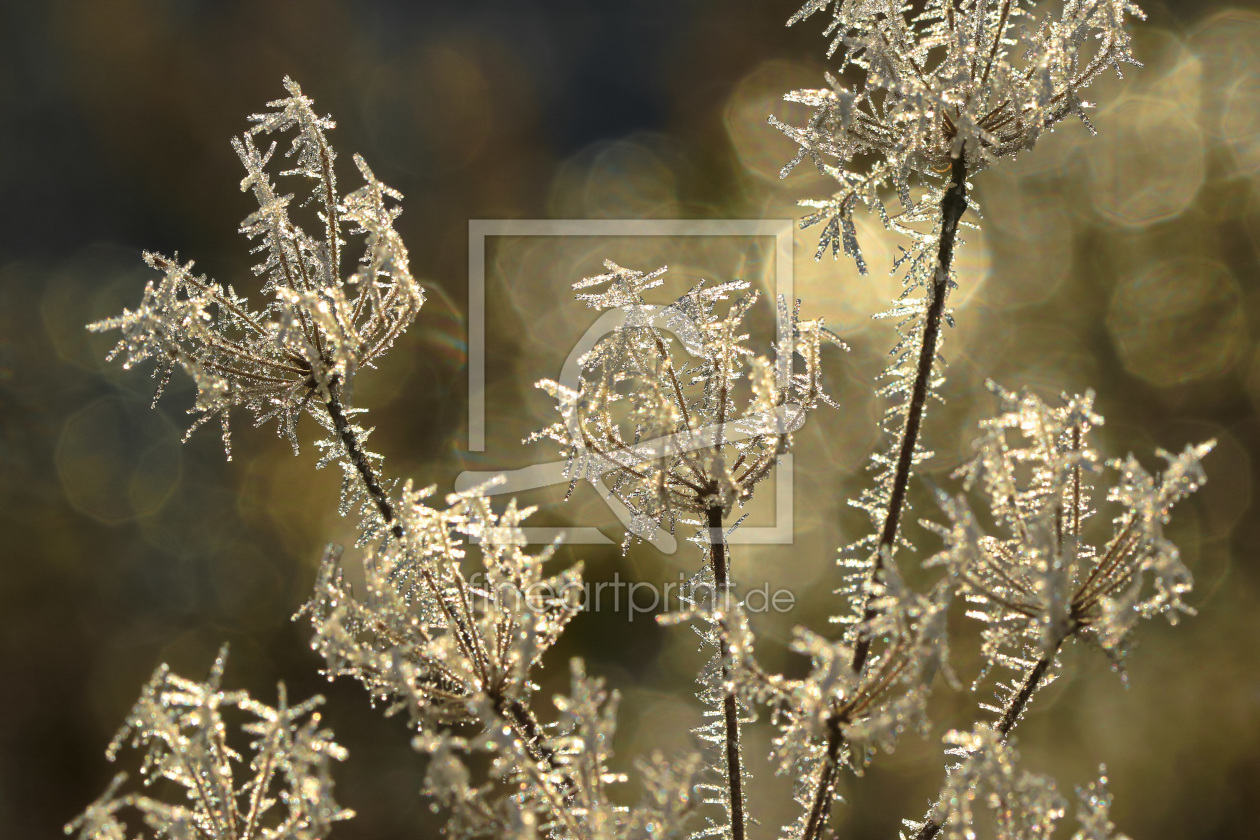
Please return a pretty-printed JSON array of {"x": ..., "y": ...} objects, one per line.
[
  {"x": 180, "y": 723},
  {"x": 988, "y": 783},
  {"x": 299, "y": 352},
  {"x": 982, "y": 78},
  {"x": 987, "y": 787},
  {"x": 434, "y": 636},
  {"x": 667, "y": 433},
  {"x": 1041, "y": 580}
]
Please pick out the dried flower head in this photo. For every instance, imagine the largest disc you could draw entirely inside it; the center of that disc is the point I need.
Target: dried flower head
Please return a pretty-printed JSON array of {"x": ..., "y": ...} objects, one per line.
[
  {"x": 1042, "y": 580},
  {"x": 435, "y": 637},
  {"x": 300, "y": 351},
  {"x": 181, "y": 724},
  {"x": 983, "y": 78},
  {"x": 683, "y": 437}
]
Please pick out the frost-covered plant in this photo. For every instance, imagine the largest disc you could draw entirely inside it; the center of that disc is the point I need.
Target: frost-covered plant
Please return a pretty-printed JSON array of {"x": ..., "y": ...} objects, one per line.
[
  {"x": 672, "y": 436},
  {"x": 942, "y": 91},
  {"x": 423, "y": 636},
  {"x": 680, "y": 445},
  {"x": 299, "y": 353},
  {"x": 181, "y": 725},
  {"x": 1042, "y": 582},
  {"x": 986, "y": 782},
  {"x": 952, "y": 88},
  {"x": 683, "y": 420}
]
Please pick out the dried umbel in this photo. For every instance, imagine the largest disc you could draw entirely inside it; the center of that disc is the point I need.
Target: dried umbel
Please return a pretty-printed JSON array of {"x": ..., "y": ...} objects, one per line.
[
  {"x": 988, "y": 789},
  {"x": 451, "y": 639},
  {"x": 300, "y": 351},
  {"x": 435, "y": 635},
  {"x": 1041, "y": 580},
  {"x": 288, "y": 794},
  {"x": 982, "y": 79},
  {"x": 674, "y": 410}
]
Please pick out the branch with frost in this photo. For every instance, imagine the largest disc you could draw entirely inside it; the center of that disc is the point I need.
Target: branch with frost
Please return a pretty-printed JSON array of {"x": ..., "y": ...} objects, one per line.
[
  {"x": 987, "y": 788},
  {"x": 180, "y": 724},
  {"x": 1042, "y": 581},
  {"x": 299, "y": 353}
]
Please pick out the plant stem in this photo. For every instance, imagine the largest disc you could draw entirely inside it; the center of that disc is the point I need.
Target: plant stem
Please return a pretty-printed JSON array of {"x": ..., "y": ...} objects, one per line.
[
  {"x": 820, "y": 810},
  {"x": 359, "y": 459},
  {"x": 953, "y": 205},
  {"x": 1010, "y": 715},
  {"x": 730, "y": 705}
]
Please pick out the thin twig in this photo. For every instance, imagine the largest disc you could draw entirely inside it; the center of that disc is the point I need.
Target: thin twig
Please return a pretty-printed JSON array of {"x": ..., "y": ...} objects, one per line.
[
  {"x": 953, "y": 204},
  {"x": 730, "y": 705}
]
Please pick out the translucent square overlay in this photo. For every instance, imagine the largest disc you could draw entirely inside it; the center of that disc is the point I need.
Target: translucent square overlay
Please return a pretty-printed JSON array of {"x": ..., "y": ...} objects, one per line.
[{"x": 553, "y": 473}]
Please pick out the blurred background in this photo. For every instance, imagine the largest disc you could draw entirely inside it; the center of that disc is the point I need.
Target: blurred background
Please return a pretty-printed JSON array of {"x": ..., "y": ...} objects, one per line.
[{"x": 1127, "y": 263}]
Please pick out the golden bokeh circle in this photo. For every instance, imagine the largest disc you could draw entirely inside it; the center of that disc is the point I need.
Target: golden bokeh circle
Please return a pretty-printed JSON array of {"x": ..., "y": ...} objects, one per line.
[{"x": 1178, "y": 321}]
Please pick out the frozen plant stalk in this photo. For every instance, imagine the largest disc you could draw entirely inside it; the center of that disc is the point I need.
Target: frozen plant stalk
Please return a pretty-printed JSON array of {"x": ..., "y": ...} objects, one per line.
[
  {"x": 943, "y": 93},
  {"x": 686, "y": 438}
]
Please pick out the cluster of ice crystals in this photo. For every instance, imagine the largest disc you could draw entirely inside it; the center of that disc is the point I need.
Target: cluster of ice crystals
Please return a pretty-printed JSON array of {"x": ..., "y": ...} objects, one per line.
[
  {"x": 298, "y": 352},
  {"x": 181, "y": 725},
  {"x": 981, "y": 77},
  {"x": 565, "y": 795},
  {"x": 1040, "y": 579},
  {"x": 987, "y": 790},
  {"x": 672, "y": 408},
  {"x": 430, "y": 631}
]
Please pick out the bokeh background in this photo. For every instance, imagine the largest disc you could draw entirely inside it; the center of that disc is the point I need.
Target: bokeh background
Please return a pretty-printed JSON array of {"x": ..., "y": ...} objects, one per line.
[{"x": 1127, "y": 263}]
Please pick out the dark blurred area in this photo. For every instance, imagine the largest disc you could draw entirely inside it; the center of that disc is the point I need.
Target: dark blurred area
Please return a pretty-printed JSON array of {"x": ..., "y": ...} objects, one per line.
[{"x": 1128, "y": 263}]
